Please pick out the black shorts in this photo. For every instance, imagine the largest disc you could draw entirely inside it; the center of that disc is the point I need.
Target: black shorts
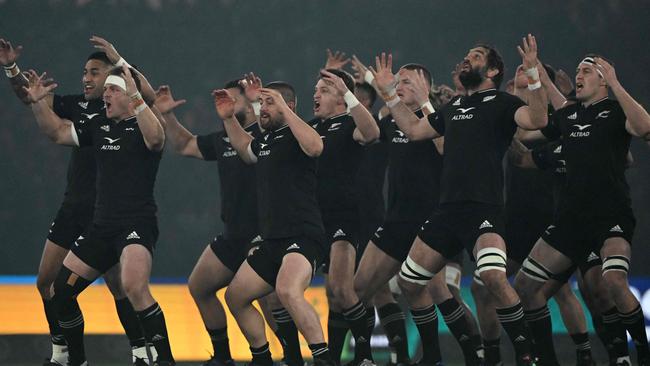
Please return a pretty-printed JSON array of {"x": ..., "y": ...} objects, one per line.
[
  {"x": 522, "y": 232},
  {"x": 267, "y": 258},
  {"x": 576, "y": 235},
  {"x": 232, "y": 252},
  {"x": 454, "y": 227},
  {"x": 396, "y": 238},
  {"x": 100, "y": 246},
  {"x": 340, "y": 230},
  {"x": 592, "y": 260},
  {"x": 367, "y": 230},
  {"x": 68, "y": 225}
]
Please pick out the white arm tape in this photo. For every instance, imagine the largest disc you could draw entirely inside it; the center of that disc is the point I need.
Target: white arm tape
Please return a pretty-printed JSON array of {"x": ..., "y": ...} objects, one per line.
[
  {"x": 429, "y": 107},
  {"x": 368, "y": 77},
  {"x": 121, "y": 62},
  {"x": 350, "y": 99}
]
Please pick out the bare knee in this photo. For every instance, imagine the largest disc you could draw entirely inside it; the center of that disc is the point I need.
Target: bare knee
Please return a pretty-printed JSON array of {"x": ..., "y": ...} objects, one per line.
[
  {"x": 289, "y": 294},
  {"x": 410, "y": 289},
  {"x": 616, "y": 282},
  {"x": 136, "y": 291},
  {"x": 44, "y": 286},
  {"x": 235, "y": 302},
  {"x": 495, "y": 281},
  {"x": 198, "y": 288}
]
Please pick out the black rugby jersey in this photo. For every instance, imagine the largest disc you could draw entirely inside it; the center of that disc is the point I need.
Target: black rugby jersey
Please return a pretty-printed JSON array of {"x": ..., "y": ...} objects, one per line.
[
  {"x": 478, "y": 130},
  {"x": 595, "y": 145},
  {"x": 549, "y": 157},
  {"x": 413, "y": 174},
  {"x": 370, "y": 182},
  {"x": 338, "y": 166},
  {"x": 126, "y": 170},
  {"x": 80, "y": 189},
  {"x": 286, "y": 186},
  {"x": 237, "y": 180}
]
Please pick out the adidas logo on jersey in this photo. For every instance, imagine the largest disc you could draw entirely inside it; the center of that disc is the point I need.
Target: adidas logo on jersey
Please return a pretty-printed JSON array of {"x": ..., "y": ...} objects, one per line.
[
  {"x": 485, "y": 224},
  {"x": 592, "y": 257},
  {"x": 558, "y": 150},
  {"x": 106, "y": 128},
  {"x": 256, "y": 239},
  {"x": 489, "y": 98},
  {"x": 457, "y": 102},
  {"x": 293, "y": 246},
  {"x": 616, "y": 229},
  {"x": 83, "y": 105},
  {"x": 133, "y": 235},
  {"x": 573, "y": 116},
  {"x": 520, "y": 339},
  {"x": 338, "y": 233}
]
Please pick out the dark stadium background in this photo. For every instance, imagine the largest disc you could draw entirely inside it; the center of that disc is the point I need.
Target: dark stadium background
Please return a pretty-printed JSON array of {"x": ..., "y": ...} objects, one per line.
[{"x": 196, "y": 46}]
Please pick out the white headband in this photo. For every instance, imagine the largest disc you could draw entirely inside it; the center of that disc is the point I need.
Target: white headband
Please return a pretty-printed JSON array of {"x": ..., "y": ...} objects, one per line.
[
  {"x": 117, "y": 81},
  {"x": 590, "y": 61}
]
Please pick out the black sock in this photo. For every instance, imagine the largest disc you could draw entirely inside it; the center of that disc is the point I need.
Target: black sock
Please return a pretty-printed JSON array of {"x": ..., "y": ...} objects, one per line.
[
  {"x": 130, "y": 322},
  {"x": 155, "y": 329},
  {"x": 356, "y": 318},
  {"x": 262, "y": 355},
  {"x": 393, "y": 320},
  {"x": 288, "y": 334},
  {"x": 583, "y": 345},
  {"x": 337, "y": 329},
  {"x": 617, "y": 338},
  {"x": 492, "y": 351},
  {"x": 371, "y": 320},
  {"x": 478, "y": 346},
  {"x": 71, "y": 322},
  {"x": 512, "y": 321},
  {"x": 319, "y": 351},
  {"x": 56, "y": 334},
  {"x": 541, "y": 328},
  {"x": 220, "y": 344},
  {"x": 634, "y": 323},
  {"x": 454, "y": 314},
  {"x": 426, "y": 320}
]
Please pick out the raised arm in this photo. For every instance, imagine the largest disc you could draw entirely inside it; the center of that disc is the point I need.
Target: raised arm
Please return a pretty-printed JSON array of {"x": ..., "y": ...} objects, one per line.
[
  {"x": 535, "y": 115},
  {"x": 59, "y": 130},
  {"x": 555, "y": 96},
  {"x": 309, "y": 140},
  {"x": 181, "y": 140},
  {"x": 252, "y": 85},
  {"x": 415, "y": 128},
  {"x": 150, "y": 126},
  {"x": 8, "y": 57},
  {"x": 239, "y": 138},
  {"x": 367, "y": 130},
  {"x": 147, "y": 91},
  {"x": 638, "y": 120}
]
